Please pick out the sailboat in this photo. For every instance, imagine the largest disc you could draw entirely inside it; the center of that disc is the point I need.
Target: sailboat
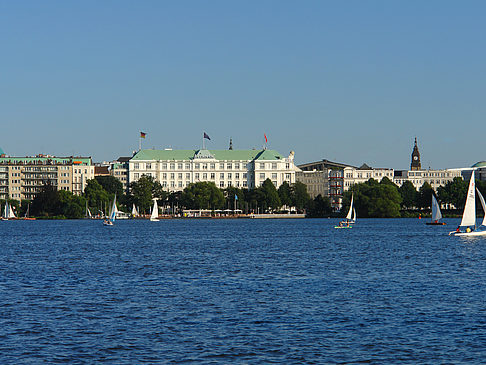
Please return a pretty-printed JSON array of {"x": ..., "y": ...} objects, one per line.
[
  {"x": 350, "y": 217},
  {"x": 112, "y": 217},
  {"x": 134, "y": 211},
  {"x": 155, "y": 212},
  {"x": 8, "y": 212},
  {"x": 88, "y": 212},
  {"x": 469, "y": 215},
  {"x": 27, "y": 213},
  {"x": 436, "y": 214}
]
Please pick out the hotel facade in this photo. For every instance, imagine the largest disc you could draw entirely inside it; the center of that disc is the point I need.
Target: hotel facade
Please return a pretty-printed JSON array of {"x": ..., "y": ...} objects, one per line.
[{"x": 246, "y": 169}]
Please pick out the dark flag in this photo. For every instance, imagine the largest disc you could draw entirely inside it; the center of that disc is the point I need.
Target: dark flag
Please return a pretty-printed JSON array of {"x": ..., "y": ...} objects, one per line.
[{"x": 206, "y": 136}]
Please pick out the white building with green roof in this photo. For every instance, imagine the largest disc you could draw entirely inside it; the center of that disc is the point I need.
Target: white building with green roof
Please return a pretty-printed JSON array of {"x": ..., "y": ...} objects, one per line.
[{"x": 176, "y": 169}]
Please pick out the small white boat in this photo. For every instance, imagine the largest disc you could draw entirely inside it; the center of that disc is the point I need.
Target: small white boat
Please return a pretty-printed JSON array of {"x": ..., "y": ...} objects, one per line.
[
  {"x": 350, "y": 217},
  {"x": 8, "y": 213},
  {"x": 134, "y": 211},
  {"x": 155, "y": 212},
  {"x": 469, "y": 215}
]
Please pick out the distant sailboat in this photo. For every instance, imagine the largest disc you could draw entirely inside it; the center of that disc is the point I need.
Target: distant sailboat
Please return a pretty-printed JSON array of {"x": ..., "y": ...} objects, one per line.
[
  {"x": 469, "y": 215},
  {"x": 350, "y": 217},
  {"x": 112, "y": 217},
  {"x": 8, "y": 212},
  {"x": 88, "y": 212},
  {"x": 436, "y": 214},
  {"x": 134, "y": 211},
  {"x": 155, "y": 212}
]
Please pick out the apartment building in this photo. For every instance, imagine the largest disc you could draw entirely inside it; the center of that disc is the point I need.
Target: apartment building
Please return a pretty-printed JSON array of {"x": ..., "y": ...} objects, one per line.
[{"x": 22, "y": 177}]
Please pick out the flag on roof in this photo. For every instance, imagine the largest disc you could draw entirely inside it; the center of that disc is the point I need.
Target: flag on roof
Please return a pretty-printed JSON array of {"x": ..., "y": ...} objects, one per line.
[
  {"x": 265, "y": 137},
  {"x": 206, "y": 136},
  {"x": 142, "y": 134}
]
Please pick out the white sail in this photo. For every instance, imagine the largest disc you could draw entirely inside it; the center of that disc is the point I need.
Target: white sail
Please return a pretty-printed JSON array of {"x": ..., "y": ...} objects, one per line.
[
  {"x": 11, "y": 213},
  {"x": 134, "y": 211},
  {"x": 436, "y": 214},
  {"x": 483, "y": 204},
  {"x": 113, "y": 210},
  {"x": 354, "y": 215},
  {"x": 350, "y": 212},
  {"x": 469, "y": 215},
  {"x": 155, "y": 211}
]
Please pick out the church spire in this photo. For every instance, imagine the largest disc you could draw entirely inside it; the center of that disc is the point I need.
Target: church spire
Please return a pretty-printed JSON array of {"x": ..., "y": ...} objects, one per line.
[
  {"x": 415, "y": 164},
  {"x": 231, "y": 144}
]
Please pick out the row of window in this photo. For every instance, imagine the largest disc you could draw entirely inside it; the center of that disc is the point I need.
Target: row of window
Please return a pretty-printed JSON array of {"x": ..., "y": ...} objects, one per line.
[{"x": 205, "y": 166}]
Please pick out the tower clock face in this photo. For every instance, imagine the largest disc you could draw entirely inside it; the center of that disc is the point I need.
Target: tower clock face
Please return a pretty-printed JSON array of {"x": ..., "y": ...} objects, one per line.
[{"x": 415, "y": 158}]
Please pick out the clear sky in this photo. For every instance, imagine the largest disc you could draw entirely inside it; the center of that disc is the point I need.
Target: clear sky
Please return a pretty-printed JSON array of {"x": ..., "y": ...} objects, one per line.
[{"x": 349, "y": 81}]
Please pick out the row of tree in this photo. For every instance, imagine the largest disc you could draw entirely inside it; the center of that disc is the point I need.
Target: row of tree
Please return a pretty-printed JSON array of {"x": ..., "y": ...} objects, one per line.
[{"x": 386, "y": 199}]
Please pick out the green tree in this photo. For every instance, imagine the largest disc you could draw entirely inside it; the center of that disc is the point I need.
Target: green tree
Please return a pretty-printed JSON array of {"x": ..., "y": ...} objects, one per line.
[
  {"x": 97, "y": 197},
  {"x": 271, "y": 197},
  {"x": 285, "y": 194},
  {"x": 111, "y": 185},
  {"x": 46, "y": 202},
  {"x": 319, "y": 207},
  {"x": 424, "y": 196},
  {"x": 299, "y": 195},
  {"x": 454, "y": 192},
  {"x": 144, "y": 190},
  {"x": 70, "y": 205},
  {"x": 408, "y": 194},
  {"x": 202, "y": 195}
]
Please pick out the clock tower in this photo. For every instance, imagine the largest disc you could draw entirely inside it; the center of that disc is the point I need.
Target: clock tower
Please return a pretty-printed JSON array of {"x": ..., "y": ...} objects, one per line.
[{"x": 415, "y": 165}]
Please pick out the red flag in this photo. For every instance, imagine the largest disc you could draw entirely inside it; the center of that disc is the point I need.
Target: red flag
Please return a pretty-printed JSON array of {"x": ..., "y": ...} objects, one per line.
[
  {"x": 142, "y": 135},
  {"x": 265, "y": 137}
]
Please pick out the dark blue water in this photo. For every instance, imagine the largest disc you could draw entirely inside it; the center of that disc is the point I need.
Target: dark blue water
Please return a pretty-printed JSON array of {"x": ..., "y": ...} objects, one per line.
[{"x": 240, "y": 291}]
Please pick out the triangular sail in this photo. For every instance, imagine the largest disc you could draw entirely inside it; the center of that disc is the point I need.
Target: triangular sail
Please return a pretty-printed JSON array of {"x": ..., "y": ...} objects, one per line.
[
  {"x": 11, "y": 213},
  {"x": 354, "y": 215},
  {"x": 5, "y": 211},
  {"x": 436, "y": 214},
  {"x": 134, "y": 211},
  {"x": 155, "y": 210},
  {"x": 483, "y": 204},
  {"x": 113, "y": 210},
  {"x": 350, "y": 212},
  {"x": 469, "y": 215}
]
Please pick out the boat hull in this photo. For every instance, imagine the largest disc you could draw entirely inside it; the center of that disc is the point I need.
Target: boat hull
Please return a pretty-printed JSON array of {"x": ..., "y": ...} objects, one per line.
[
  {"x": 339, "y": 227},
  {"x": 468, "y": 234},
  {"x": 435, "y": 224}
]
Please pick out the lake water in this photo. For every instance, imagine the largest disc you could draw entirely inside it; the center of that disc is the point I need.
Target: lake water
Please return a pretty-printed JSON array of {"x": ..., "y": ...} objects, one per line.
[{"x": 240, "y": 291}]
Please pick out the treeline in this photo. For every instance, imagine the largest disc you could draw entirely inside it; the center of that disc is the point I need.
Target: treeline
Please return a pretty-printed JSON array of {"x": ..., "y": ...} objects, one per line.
[
  {"x": 100, "y": 192},
  {"x": 385, "y": 199}
]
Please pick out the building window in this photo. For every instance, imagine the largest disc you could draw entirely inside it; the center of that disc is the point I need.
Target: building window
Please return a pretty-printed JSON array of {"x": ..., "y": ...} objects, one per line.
[
  {"x": 135, "y": 176},
  {"x": 262, "y": 176},
  {"x": 180, "y": 176},
  {"x": 172, "y": 166},
  {"x": 212, "y": 176},
  {"x": 229, "y": 176},
  {"x": 136, "y": 166},
  {"x": 245, "y": 175},
  {"x": 262, "y": 166},
  {"x": 164, "y": 166},
  {"x": 274, "y": 165},
  {"x": 221, "y": 184},
  {"x": 188, "y": 176},
  {"x": 205, "y": 166},
  {"x": 149, "y": 166},
  {"x": 179, "y": 166},
  {"x": 172, "y": 176},
  {"x": 221, "y": 176},
  {"x": 180, "y": 184},
  {"x": 237, "y": 166},
  {"x": 196, "y": 176},
  {"x": 164, "y": 176},
  {"x": 237, "y": 175},
  {"x": 274, "y": 176},
  {"x": 196, "y": 166},
  {"x": 213, "y": 166},
  {"x": 205, "y": 176}
]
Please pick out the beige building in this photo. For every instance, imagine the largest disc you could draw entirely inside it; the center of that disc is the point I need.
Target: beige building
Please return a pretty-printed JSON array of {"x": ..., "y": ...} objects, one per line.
[
  {"x": 22, "y": 177},
  {"x": 317, "y": 182}
]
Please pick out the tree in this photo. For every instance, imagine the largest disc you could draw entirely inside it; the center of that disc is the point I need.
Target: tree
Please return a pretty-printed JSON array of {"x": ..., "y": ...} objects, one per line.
[
  {"x": 230, "y": 193},
  {"x": 319, "y": 207},
  {"x": 299, "y": 195},
  {"x": 111, "y": 185},
  {"x": 454, "y": 192},
  {"x": 46, "y": 202},
  {"x": 71, "y": 206},
  {"x": 272, "y": 199},
  {"x": 144, "y": 190},
  {"x": 424, "y": 196},
  {"x": 408, "y": 194},
  {"x": 284, "y": 193},
  {"x": 202, "y": 195},
  {"x": 96, "y": 196}
]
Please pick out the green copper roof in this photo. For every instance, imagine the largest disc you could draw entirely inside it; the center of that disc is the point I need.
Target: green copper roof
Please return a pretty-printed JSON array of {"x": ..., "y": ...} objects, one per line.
[
  {"x": 223, "y": 155},
  {"x": 54, "y": 160}
]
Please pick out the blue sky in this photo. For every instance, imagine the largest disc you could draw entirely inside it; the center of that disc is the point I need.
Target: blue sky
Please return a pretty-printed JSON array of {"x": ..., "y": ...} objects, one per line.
[{"x": 350, "y": 81}]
